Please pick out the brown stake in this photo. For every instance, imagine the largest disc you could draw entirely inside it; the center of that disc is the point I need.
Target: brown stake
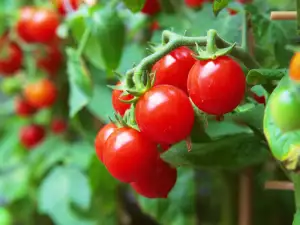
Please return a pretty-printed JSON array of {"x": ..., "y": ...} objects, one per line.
[
  {"x": 283, "y": 15},
  {"x": 245, "y": 197},
  {"x": 279, "y": 185}
]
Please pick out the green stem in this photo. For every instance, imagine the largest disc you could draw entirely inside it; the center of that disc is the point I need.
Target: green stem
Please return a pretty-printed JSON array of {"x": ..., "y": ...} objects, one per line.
[
  {"x": 83, "y": 41},
  {"x": 245, "y": 32},
  {"x": 211, "y": 47},
  {"x": 296, "y": 180},
  {"x": 298, "y": 17}
]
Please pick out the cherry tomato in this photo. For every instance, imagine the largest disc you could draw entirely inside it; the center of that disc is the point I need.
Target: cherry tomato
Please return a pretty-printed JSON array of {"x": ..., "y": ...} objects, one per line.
[
  {"x": 119, "y": 106},
  {"x": 259, "y": 99},
  {"x": 32, "y": 135},
  {"x": 216, "y": 86},
  {"x": 294, "y": 69},
  {"x": 50, "y": 59},
  {"x": 58, "y": 126},
  {"x": 158, "y": 183},
  {"x": 165, "y": 114},
  {"x": 42, "y": 25},
  {"x": 23, "y": 108},
  {"x": 102, "y": 137},
  {"x": 63, "y": 8},
  {"x": 174, "y": 68},
  {"x": 25, "y": 19},
  {"x": 285, "y": 108},
  {"x": 41, "y": 94},
  {"x": 11, "y": 57},
  {"x": 194, "y": 3},
  {"x": 128, "y": 155},
  {"x": 151, "y": 7}
]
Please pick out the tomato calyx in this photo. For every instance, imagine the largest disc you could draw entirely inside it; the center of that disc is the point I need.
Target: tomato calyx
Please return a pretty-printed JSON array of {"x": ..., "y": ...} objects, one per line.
[{"x": 212, "y": 51}]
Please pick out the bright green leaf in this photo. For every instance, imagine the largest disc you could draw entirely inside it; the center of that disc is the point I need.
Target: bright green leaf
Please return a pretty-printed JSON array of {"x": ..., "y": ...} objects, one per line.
[
  {"x": 218, "y": 5},
  {"x": 134, "y": 5},
  {"x": 263, "y": 76}
]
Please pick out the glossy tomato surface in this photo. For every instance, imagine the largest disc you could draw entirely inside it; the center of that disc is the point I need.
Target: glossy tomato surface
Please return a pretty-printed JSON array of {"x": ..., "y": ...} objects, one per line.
[
  {"x": 41, "y": 94},
  {"x": 174, "y": 68},
  {"x": 217, "y": 86},
  {"x": 165, "y": 114},
  {"x": 32, "y": 135},
  {"x": 129, "y": 155},
  {"x": 102, "y": 137},
  {"x": 23, "y": 108},
  {"x": 119, "y": 106},
  {"x": 11, "y": 57},
  {"x": 158, "y": 183},
  {"x": 151, "y": 7},
  {"x": 24, "y": 22}
]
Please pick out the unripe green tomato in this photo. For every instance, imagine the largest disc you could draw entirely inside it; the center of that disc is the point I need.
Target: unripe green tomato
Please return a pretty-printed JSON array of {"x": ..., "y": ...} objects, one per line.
[
  {"x": 11, "y": 86},
  {"x": 285, "y": 109},
  {"x": 5, "y": 217}
]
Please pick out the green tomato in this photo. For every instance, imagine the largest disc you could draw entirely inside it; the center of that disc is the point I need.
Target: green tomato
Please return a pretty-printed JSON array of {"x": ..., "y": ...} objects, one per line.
[
  {"x": 285, "y": 109},
  {"x": 5, "y": 217}
]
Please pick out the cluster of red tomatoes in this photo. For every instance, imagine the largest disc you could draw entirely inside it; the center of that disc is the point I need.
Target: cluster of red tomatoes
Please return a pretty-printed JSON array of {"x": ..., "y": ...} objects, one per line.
[
  {"x": 164, "y": 115},
  {"x": 35, "y": 31}
]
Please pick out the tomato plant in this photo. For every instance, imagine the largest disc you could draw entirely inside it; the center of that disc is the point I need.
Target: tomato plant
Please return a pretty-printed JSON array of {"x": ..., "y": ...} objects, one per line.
[{"x": 217, "y": 86}]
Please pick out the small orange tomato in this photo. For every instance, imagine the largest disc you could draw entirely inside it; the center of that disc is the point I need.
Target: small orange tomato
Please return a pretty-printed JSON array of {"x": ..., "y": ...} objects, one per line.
[{"x": 295, "y": 67}]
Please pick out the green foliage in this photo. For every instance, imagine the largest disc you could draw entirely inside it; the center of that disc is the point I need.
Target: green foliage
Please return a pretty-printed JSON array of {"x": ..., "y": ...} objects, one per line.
[
  {"x": 218, "y": 5},
  {"x": 134, "y": 5}
]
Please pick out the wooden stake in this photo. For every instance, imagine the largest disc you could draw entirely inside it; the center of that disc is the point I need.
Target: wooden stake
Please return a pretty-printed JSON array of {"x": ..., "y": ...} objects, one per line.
[
  {"x": 283, "y": 15},
  {"x": 279, "y": 185},
  {"x": 245, "y": 198}
]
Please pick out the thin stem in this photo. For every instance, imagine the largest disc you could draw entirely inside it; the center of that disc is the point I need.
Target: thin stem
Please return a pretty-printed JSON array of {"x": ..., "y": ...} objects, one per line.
[
  {"x": 296, "y": 180},
  {"x": 298, "y": 17},
  {"x": 83, "y": 41},
  {"x": 211, "y": 41}
]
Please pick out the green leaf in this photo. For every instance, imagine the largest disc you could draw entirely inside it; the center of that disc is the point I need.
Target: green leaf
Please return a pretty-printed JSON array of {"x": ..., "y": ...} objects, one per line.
[
  {"x": 230, "y": 152},
  {"x": 179, "y": 207},
  {"x": 264, "y": 76},
  {"x": 134, "y": 5},
  {"x": 80, "y": 83},
  {"x": 218, "y": 5},
  {"x": 63, "y": 186}
]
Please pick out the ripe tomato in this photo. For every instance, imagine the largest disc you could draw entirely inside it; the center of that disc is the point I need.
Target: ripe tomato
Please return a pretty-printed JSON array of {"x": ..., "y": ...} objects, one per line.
[
  {"x": 102, "y": 137},
  {"x": 119, "y": 106},
  {"x": 11, "y": 57},
  {"x": 158, "y": 183},
  {"x": 174, "y": 68},
  {"x": 24, "y": 21},
  {"x": 128, "y": 155},
  {"x": 63, "y": 8},
  {"x": 294, "y": 69},
  {"x": 216, "y": 86},
  {"x": 151, "y": 7},
  {"x": 165, "y": 114},
  {"x": 285, "y": 108},
  {"x": 23, "y": 108},
  {"x": 50, "y": 59},
  {"x": 58, "y": 126},
  {"x": 194, "y": 3},
  {"x": 32, "y": 135},
  {"x": 41, "y": 94}
]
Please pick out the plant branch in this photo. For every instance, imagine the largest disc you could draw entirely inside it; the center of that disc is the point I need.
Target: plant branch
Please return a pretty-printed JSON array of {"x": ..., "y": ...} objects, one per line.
[{"x": 296, "y": 180}]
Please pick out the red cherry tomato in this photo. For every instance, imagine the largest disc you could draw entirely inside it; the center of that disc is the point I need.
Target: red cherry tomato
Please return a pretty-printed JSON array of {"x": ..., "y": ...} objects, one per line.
[
  {"x": 165, "y": 114},
  {"x": 32, "y": 135},
  {"x": 50, "y": 59},
  {"x": 159, "y": 183},
  {"x": 41, "y": 94},
  {"x": 119, "y": 106},
  {"x": 23, "y": 108},
  {"x": 174, "y": 68},
  {"x": 102, "y": 137},
  {"x": 11, "y": 57},
  {"x": 151, "y": 7},
  {"x": 232, "y": 12},
  {"x": 58, "y": 126},
  {"x": 63, "y": 8},
  {"x": 259, "y": 99},
  {"x": 25, "y": 19},
  {"x": 217, "y": 86},
  {"x": 194, "y": 3},
  {"x": 128, "y": 155}
]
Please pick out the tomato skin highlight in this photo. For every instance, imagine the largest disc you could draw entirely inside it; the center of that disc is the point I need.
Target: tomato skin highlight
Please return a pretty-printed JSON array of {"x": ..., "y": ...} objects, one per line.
[
  {"x": 23, "y": 108},
  {"x": 41, "y": 94},
  {"x": 216, "y": 86},
  {"x": 32, "y": 135},
  {"x": 173, "y": 69},
  {"x": 58, "y": 126},
  {"x": 158, "y": 183},
  {"x": 151, "y": 7},
  {"x": 119, "y": 106},
  {"x": 12, "y": 61},
  {"x": 294, "y": 68},
  {"x": 128, "y": 155},
  {"x": 102, "y": 137},
  {"x": 165, "y": 114}
]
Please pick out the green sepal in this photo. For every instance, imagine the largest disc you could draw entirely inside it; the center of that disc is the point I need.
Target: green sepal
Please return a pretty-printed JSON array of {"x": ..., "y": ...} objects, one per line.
[{"x": 205, "y": 55}]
